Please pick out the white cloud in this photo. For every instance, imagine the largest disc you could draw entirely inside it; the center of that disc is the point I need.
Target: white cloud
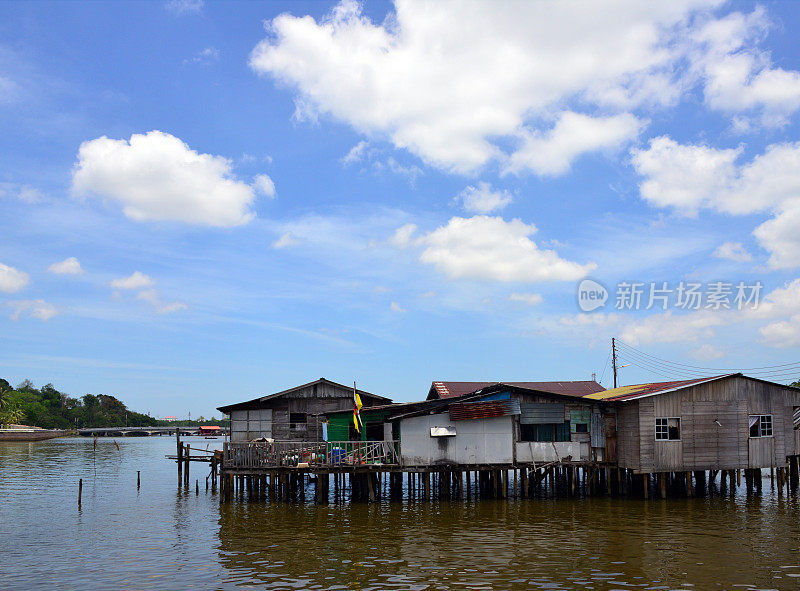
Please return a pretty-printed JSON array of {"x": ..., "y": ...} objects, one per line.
[
  {"x": 574, "y": 134},
  {"x": 286, "y": 240},
  {"x": 733, "y": 251},
  {"x": 180, "y": 7},
  {"x": 483, "y": 198},
  {"x": 420, "y": 78},
  {"x": 136, "y": 280},
  {"x": 403, "y": 236},
  {"x": 11, "y": 279},
  {"x": 204, "y": 57},
  {"x": 706, "y": 352},
  {"x": 153, "y": 297},
  {"x": 356, "y": 153},
  {"x": 395, "y": 307},
  {"x": 737, "y": 76},
  {"x": 146, "y": 292},
  {"x": 492, "y": 249},
  {"x": 69, "y": 266},
  {"x": 156, "y": 176},
  {"x": 690, "y": 177},
  {"x": 684, "y": 177},
  {"x": 667, "y": 327},
  {"x": 33, "y": 308},
  {"x": 30, "y": 194},
  {"x": 532, "y": 299},
  {"x": 264, "y": 185}
]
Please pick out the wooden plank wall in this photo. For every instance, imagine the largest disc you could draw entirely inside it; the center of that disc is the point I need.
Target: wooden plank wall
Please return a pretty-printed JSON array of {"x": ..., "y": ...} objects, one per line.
[
  {"x": 628, "y": 435},
  {"x": 714, "y": 427}
]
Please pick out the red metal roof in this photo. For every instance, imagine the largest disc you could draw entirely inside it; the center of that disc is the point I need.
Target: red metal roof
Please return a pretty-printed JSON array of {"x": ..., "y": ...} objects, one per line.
[{"x": 455, "y": 389}]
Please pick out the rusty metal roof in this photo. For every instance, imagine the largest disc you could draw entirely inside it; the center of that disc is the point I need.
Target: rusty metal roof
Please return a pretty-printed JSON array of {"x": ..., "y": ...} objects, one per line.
[
  {"x": 636, "y": 391},
  {"x": 570, "y": 388},
  {"x": 485, "y": 409}
]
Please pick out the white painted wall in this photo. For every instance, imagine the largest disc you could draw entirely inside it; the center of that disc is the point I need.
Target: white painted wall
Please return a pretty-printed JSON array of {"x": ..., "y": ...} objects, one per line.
[
  {"x": 479, "y": 441},
  {"x": 545, "y": 451}
]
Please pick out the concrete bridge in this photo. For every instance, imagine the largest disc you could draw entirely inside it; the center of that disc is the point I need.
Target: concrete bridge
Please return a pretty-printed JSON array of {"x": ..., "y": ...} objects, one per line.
[{"x": 139, "y": 431}]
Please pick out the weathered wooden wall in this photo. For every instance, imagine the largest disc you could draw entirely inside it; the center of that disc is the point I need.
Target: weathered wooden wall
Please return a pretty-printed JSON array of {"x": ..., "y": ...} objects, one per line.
[
  {"x": 314, "y": 401},
  {"x": 714, "y": 428}
]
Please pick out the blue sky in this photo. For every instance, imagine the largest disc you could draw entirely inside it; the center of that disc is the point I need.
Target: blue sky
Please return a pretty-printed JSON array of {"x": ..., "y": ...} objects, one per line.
[{"x": 204, "y": 202}]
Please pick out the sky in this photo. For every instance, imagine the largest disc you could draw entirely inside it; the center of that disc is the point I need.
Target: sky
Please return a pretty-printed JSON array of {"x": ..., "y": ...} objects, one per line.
[{"x": 205, "y": 202}]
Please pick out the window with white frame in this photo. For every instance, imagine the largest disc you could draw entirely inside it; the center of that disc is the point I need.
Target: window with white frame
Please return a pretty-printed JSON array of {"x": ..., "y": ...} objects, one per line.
[
  {"x": 668, "y": 429},
  {"x": 760, "y": 425}
]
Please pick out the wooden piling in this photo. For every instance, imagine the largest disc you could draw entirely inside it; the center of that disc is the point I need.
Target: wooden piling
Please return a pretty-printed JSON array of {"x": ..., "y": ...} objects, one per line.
[
  {"x": 80, "y": 491},
  {"x": 138, "y": 479}
]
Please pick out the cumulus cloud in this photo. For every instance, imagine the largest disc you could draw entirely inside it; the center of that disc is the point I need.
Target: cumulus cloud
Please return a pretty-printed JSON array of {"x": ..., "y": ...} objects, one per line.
[
  {"x": 156, "y": 176},
  {"x": 12, "y": 280},
  {"x": 733, "y": 251},
  {"x": 552, "y": 153},
  {"x": 397, "y": 308},
  {"x": 692, "y": 177},
  {"x": 264, "y": 185},
  {"x": 491, "y": 249},
  {"x": 32, "y": 308},
  {"x": 737, "y": 76},
  {"x": 419, "y": 77},
  {"x": 532, "y": 299},
  {"x": 136, "y": 280},
  {"x": 69, "y": 266},
  {"x": 483, "y": 198}
]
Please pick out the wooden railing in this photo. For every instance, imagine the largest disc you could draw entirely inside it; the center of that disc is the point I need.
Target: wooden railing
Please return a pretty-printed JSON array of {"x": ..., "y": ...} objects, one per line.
[{"x": 262, "y": 454}]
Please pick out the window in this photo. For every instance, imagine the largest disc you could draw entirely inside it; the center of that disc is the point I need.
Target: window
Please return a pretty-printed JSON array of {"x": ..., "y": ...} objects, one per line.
[
  {"x": 760, "y": 425},
  {"x": 581, "y": 428},
  {"x": 297, "y": 421},
  {"x": 668, "y": 429},
  {"x": 796, "y": 417},
  {"x": 545, "y": 432}
]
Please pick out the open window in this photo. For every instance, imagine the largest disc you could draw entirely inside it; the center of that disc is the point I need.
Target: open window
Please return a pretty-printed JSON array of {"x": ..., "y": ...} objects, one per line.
[
  {"x": 668, "y": 429},
  {"x": 760, "y": 426},
  {"x": 298, "y": 421},
  {"x": 796, "y": 417}
]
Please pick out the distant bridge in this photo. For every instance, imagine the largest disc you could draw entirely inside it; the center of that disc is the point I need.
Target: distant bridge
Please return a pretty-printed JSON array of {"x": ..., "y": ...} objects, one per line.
[{"x": 140, "y": 431}]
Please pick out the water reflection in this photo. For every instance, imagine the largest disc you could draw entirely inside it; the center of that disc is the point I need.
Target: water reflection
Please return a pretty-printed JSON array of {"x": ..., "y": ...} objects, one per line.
[{"x": 158, "y": 537}]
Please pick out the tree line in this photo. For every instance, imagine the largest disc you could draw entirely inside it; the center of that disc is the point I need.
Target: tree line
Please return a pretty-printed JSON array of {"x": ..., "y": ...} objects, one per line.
[{"x": 48, "y": 408}]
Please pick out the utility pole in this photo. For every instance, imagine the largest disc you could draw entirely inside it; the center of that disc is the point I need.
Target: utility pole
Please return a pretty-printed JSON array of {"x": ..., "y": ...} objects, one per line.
[{"x": 614, "y": 359}]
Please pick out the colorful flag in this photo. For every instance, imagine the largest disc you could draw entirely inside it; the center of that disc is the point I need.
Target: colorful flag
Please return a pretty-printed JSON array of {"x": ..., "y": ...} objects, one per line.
[{"x": 356, "y": 408}]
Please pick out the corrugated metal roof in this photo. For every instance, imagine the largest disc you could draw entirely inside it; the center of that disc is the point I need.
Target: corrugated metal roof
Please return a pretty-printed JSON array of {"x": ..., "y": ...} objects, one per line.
[
  {"x": 247, "y": 403},
  {"x": 636, "y": 391},
  {"x": 485, "y": 409},
  {"x": 570, "y": 388}
]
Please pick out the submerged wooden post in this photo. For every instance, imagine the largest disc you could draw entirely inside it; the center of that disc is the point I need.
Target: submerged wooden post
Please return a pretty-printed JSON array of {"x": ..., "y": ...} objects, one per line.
[
  {"x": 80, "y": 491},
  {"x": 179, "y": 453},
  {"x": 138, "y": 479}
]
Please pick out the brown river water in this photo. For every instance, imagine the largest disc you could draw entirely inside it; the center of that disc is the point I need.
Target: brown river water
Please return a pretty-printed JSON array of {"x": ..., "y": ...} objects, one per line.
[{"x": 159, "y": 537}]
